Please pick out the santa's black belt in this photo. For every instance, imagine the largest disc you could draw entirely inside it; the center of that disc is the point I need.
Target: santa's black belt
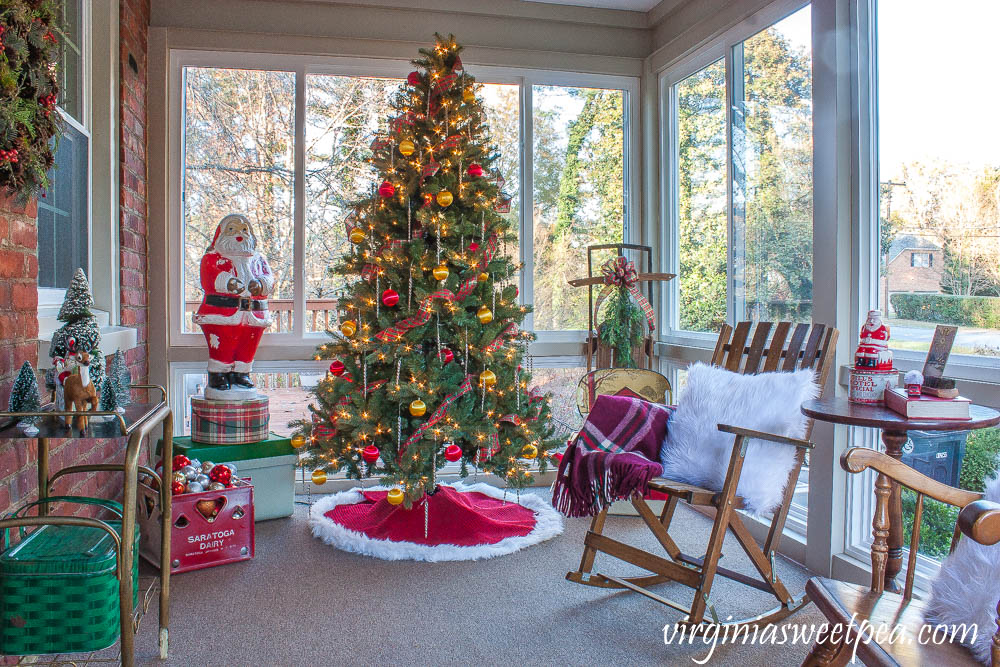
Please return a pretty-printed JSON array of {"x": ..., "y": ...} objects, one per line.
[{"x": 243, "y": 303}]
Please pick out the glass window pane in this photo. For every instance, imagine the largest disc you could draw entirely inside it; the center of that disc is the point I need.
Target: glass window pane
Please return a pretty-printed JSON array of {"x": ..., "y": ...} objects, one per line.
[
  {"x": 343, "y": 115},
  {"x": 939, "y": 190},
  {"x": 502, "y": 103},
  {"x": 63, "y": 236},
  {"x": 701, "y": 198},
  {"x": 238, "y": 153},
  {"x": 579, "y": 193},
  {"x": 71, "y": 67},
  {"x": 772, "y": 173}
]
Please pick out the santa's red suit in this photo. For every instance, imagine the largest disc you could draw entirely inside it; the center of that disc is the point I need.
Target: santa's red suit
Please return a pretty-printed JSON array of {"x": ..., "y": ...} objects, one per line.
[
  {"x": 236, "y": 280},
  {"x": 873, "y": 351}
]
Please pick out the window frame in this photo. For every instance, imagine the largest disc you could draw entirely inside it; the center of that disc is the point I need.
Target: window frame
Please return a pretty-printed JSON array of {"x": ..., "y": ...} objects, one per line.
[
  {"x": 300, "y": 344},
  {"x": 100, "y": 123}
]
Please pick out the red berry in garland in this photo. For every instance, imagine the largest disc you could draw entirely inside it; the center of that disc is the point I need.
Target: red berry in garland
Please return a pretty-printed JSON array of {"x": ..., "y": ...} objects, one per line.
[
  {"x": 387, "y": 189},
  {"x": 474, "y": 170}
]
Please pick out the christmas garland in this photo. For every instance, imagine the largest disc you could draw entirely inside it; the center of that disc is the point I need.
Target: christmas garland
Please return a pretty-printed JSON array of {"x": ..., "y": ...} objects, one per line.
[{"x": 29, "y": 120}]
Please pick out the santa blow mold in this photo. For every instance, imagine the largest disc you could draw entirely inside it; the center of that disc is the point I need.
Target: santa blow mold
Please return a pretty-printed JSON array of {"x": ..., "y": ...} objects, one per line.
[
  {"x": 873, "y": 371},
  {"x": 233, "y": 314}
]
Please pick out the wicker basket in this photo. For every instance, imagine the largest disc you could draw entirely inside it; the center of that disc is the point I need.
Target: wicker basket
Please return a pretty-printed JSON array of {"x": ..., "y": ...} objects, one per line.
[{"x": 59, "y": 587}]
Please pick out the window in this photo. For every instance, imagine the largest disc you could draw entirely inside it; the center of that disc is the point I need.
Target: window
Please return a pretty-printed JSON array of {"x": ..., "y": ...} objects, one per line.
[
  {"x": 942, "y": 189},
  {"x": 240, "y": 149},
  {"x": 744, "y": 241},
  {"x": 738, "y": 199},
  {"x": 579, "y": 193},
  {"x": 64, "y": 211}
]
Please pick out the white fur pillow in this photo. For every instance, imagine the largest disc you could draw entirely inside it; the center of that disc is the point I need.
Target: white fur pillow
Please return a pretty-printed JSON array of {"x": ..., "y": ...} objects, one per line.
[
  {"x": 967, "y": 588},
  {"x": 696, "y": 452}
]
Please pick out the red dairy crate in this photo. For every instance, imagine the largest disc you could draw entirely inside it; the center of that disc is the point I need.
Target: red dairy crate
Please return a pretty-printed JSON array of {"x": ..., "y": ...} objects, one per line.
[{"x": 210, "y": 528}]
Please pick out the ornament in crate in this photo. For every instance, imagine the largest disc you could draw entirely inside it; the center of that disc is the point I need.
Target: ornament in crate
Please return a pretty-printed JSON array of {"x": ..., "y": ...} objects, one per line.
[
  {"x": 211, "y": 526},
  {"x": 873, "y": 371}
]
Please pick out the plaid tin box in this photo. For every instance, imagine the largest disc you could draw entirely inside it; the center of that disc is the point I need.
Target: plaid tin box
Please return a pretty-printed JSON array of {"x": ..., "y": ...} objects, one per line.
[{"x": 229, "y": 422}]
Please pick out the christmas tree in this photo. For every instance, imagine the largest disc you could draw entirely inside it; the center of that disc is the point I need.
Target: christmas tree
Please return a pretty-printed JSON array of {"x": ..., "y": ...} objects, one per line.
[
  {"x": 120, "y": 380},
  {"x": 24, "y": 394},
  {"x": 80, "y": 328},
  {"x": 426, "y": 365}
]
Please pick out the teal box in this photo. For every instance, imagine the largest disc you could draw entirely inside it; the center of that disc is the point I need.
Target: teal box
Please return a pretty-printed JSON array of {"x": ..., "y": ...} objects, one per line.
[{"x": 270, "y": 465}]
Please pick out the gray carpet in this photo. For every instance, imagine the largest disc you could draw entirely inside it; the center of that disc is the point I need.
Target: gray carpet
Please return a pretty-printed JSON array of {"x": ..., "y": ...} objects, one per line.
[{"x": 300, "y": 602}]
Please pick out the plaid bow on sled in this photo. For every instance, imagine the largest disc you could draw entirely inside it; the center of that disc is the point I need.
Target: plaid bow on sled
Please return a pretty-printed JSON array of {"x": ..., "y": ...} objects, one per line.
[{"x": 620, "y": 273}]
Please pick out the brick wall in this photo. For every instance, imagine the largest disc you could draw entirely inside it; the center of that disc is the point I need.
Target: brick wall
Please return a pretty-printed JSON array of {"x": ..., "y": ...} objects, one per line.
[
  {"x": 906, "y": 278},
  {"x": 19, "y": 277}
]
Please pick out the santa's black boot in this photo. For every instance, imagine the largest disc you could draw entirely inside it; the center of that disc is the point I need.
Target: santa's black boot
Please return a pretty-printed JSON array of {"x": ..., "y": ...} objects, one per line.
[
  {"x": 218, "y": 381},
  {"x": 240, "y": 380}
]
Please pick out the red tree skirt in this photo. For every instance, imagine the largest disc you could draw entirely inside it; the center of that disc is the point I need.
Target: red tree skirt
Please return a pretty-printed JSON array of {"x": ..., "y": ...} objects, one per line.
[{"x": 463, "y": 523}]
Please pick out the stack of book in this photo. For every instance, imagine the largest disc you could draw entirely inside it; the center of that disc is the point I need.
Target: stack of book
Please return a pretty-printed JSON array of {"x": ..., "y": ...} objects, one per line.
[{"x": 926, "y": 407}]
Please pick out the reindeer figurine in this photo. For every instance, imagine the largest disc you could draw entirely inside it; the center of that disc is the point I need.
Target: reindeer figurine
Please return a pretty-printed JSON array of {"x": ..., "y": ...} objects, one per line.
[{"x": 78, "y": 390}]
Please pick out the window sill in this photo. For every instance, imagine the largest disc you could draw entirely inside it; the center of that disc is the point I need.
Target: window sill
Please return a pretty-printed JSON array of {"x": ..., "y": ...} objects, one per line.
[{"x": 112, "y": 338}]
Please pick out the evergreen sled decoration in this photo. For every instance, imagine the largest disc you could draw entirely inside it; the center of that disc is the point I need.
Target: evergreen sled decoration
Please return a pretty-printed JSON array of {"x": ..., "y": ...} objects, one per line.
[{"x": 24, "y": 398}]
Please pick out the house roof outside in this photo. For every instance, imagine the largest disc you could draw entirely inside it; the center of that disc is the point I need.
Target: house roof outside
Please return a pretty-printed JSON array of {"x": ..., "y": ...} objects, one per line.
[{"x": 910, "y": 242}]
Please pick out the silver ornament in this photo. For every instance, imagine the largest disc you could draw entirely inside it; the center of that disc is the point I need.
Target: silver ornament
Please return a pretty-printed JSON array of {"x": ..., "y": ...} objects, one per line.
[
  {"x": 216, "y": 486},
  {"x": 189, "y": 473},
  {"x": 203, "y": 479},
  {"x": 195, "y": 487},
  {"x": 207, "y": 466},
  {"x": 196, "y": 464}
]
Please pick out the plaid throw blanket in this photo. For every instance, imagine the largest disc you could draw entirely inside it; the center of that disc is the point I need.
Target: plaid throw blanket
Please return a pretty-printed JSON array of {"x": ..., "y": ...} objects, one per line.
[{"x": 616, "y": 454}]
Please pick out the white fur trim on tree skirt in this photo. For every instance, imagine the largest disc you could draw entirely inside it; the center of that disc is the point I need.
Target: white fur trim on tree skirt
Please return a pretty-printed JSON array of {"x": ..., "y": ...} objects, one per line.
[{"x": 548, "y": 524}]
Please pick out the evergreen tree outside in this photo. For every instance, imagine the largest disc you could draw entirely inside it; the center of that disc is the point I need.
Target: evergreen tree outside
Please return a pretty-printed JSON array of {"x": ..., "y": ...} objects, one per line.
[
  {"x": 24, "y": 394},
  {"x": 429, "y": 353},
  {"x": 80, "y": 326}
]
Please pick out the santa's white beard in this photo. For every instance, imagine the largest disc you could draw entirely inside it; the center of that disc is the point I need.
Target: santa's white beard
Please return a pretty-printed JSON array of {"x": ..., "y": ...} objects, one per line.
[{"x": 241, "y": 254}]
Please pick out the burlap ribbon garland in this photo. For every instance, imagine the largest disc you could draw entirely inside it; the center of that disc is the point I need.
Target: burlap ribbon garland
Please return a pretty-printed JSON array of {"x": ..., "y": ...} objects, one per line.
[{"x": 619, "y": 272}]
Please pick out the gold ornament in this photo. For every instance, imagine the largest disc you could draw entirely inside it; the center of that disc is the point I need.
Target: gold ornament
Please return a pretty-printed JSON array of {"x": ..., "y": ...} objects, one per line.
[
  {"x": 488, "y": 378},
  {"x": 469, "y": 95},
  {"x": 445, "y": 198},
  {"x": 484, "y": 314},
  {"x": 318, "y": 477},
  {"x": 298, "y": 440},
  {"x": 529, "y": 452},
  {"x": 483, "y": 277},
  {"x": 418, "y": 408},
  {"x": 406, "y": 147},
  {"x": 357, "y": 235},
  {"x": 395, "y": 496},
  {"x": 440, "y": 272},
  {"x": 348, "y": 328}
]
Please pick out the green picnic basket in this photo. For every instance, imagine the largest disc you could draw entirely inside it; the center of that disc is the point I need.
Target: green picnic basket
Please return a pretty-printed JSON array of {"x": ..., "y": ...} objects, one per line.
[{"x": 59, "y": 586}]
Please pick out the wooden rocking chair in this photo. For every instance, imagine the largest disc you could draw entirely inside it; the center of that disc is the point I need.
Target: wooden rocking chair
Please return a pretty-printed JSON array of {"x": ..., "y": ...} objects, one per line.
[{"x": 746, "y": 349}]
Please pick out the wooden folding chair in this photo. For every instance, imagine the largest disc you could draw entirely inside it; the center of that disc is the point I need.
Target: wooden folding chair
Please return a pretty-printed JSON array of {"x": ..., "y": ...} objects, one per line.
[{"x": 745, "y": 349}]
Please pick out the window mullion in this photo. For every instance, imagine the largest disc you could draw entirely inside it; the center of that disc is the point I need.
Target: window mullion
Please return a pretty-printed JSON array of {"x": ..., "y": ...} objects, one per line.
[
  {"x": 527, "y": 201},
  {"x": 298, "y": 214}
]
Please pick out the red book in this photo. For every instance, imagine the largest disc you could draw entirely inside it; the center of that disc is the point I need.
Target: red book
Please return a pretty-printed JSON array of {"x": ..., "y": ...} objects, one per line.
[{"x": 926, "y": 407}]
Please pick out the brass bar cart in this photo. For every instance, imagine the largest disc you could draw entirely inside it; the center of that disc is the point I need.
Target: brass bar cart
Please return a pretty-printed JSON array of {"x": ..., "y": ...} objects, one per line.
[{"x": 137, "y": 423}]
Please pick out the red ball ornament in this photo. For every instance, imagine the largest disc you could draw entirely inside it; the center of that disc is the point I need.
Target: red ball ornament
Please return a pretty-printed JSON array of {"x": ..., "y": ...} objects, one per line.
[
  {"x": 221, "y": 474},
  {"x": 473, "y": 247},
  {"x": 387, "y": 189},
  {"x": 337, "y": 367},
  {"x": 370, "y": 454},
  {"x": 177, "y": 488},
  {"x": 446, "y": 356},
  {"x": 390, "y": 297},
  {"x": 180, "y": 461},
  {"x": 474, "y": 170},
  {"x": 413, "y": 79},
  {"x": 453, "y": 453}
]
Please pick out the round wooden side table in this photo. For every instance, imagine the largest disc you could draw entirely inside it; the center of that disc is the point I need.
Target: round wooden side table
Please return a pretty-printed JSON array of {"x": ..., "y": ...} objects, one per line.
[{"x": 894, "y": 427}]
